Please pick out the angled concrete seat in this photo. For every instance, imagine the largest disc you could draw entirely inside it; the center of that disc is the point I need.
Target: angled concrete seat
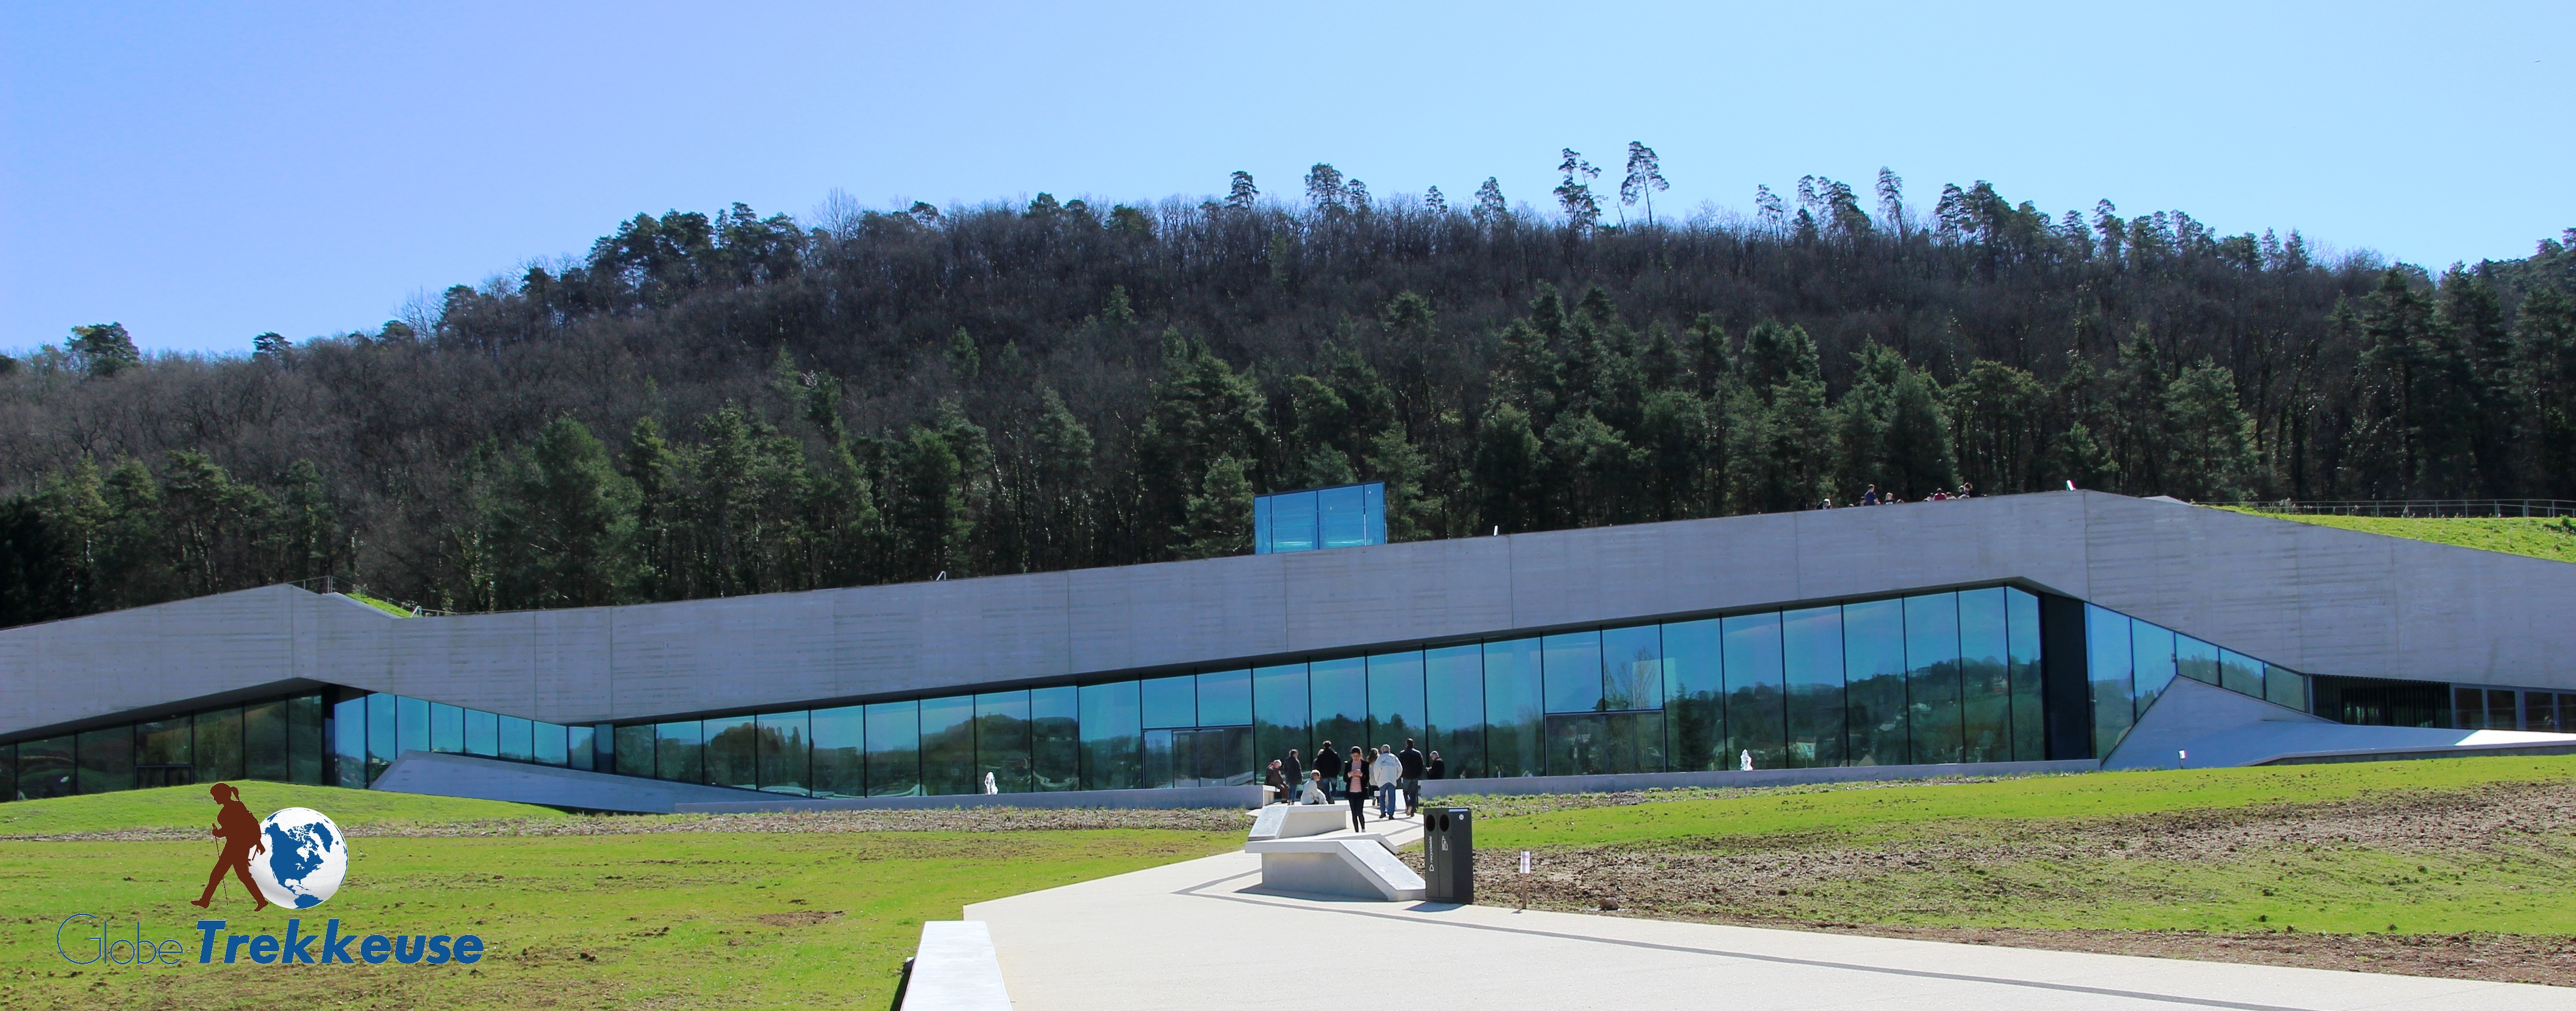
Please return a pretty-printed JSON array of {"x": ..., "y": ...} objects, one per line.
[
  {"x": 1290, "y": 821},
  {"x": 1350, "y": 866}
]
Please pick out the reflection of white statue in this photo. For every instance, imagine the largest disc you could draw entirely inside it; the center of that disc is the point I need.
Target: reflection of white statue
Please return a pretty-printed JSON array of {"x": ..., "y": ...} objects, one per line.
[
  {"x": 1747, "y": 760},
  {"x": 992, "y": 787}
]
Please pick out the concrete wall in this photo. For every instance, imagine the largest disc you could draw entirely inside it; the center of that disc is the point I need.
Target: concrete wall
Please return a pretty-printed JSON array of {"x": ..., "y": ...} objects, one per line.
[{"x": 2312, "y": 598}]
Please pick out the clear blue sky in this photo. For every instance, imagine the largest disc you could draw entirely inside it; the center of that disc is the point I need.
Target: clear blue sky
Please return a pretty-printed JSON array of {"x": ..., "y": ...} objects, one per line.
[{"x": 203, "y": 175}]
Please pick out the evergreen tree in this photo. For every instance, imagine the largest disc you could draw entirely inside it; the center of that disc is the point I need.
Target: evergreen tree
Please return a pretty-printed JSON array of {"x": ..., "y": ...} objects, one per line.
[
  {"x": 562, "y": 528},
  {"x": 1218, "y": 520},
  {"x": 2210, "y": 455}
]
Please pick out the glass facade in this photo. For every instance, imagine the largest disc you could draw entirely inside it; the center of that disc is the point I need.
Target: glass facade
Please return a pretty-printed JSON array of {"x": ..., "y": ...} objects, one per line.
[
  {"x": 1346, "y": 516},
  {"x": 1925, "y": 678}
]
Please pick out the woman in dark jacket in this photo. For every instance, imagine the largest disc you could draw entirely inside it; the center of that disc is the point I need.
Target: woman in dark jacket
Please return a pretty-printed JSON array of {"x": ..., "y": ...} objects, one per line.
[{"x": 1356, "y": 778}]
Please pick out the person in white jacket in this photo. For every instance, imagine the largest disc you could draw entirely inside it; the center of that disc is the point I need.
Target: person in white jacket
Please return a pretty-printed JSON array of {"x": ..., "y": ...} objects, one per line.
[{"x": 1387, "y": 774}]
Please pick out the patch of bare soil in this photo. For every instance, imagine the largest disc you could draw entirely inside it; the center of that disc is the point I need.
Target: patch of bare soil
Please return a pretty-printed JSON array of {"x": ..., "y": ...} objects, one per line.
[
  {"x": 1808, "y": 881},
  {"x": 799, "y": 918}
]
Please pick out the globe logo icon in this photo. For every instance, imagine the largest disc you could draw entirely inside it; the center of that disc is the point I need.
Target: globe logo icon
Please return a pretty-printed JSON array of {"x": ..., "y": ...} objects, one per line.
[{"x": 307, "y": 858}]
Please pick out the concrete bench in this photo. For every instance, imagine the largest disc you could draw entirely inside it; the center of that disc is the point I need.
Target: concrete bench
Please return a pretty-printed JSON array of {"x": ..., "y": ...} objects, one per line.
[
  {"x": 1347, "y": 866},
  {"x": 1290, "y": 821},
  {"x": 956, "y": 970}
]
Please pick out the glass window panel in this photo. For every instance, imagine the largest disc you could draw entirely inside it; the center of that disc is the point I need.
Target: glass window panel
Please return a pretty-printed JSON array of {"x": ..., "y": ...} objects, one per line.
[
  {"x": 632, "y": 752},
  {"x": 1985, "y": 675},
  {"x": 411, "y": 724},
  {"x": 304, "y": 725},
  {"x": 581, "y": 747},
  {"x": 1874, "y": 682},
  {"x": 380, "y": 735},
  {"x": 1261, "y": 518},
  {"x": 546, "y": 742},
  {"x": 732, "y": 752},
  {"x": 1694, "y": 695},
  {"x": 1342, "y": 516},
  {"x": 2029, "y": 717},
  {"x": 1163, "y": 768},
  {"x": 1453, "y": 714},
  {"x": 837, "y": 743},
  {"x": 2539, "y": 709},
  {"x": 1112, "y": 736},
  {"x": 46, "y": 768},
  {"x": 161, "y": 750},
  {"x": 1375, "y": 508},
  {"x": 1292, "y": 522},
  {"x": 1339, "y": 693},
  {"x": 2468, "y": 708},
  {"x": 1636, "y": 741},
  {"x": 107, "y": 757},
  {"x": 948, "y": 746},
  {"x": 1223, "y": 755},
  {"x": 1756, "y": 692},
  {"x": 894, "y": 749},
  {"x": 1578, "y": 744},
  {"x": 1171, "y": 701},
  {"x": 2151, "y": 661},
  {"x": 2240, "y": 673},
  {"x": 2500, "y": 710},
  {"x": 349, "y": 743},
  {"x": 1632, "y": 667},
  {"x": 1225, "y": 698},
  {"x": 2106, "y": 635},
  {"x": 1002, "y": 741},
  {"x": 1515, "y": 738},
  {"x": 2195, "y": 659},
  {"x": 2285, "y": 687},
  {"x": 1932, "y": 677},
  {"x": 264, "y": 740},
  {"x": 1055, "y": 739},
  {"x": 517, "y": 738},
  {"x": 1395, "y": 698},
  {"x": 218, "y": 750},
  {"x": 1811, "y": 656},
  {"x": 446, "y": 728},
  {"x": 1280, "y": 714},
  {"x": 483, "y": 734},
  {"x": 679, "y": 752},
  {"x": 1572, "y": 663},
  {"x": 9, "y": 773}
]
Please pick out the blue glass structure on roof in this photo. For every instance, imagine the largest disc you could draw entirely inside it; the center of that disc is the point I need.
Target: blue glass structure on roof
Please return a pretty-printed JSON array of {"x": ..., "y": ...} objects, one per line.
[{"x": 1343, "y": 516}]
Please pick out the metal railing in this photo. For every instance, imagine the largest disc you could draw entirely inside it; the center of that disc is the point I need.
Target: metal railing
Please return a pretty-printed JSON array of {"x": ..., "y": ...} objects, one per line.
[{"x": 2437, "y": 508}]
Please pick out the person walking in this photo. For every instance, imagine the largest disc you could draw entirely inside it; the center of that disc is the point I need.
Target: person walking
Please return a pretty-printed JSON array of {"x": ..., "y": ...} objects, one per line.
[
  {"x": 239, "y": 829},
  {"x": 1387, "y": 772},
  {"x": 1357, "y": 779},
  {"x": 1870, "y": 497},
  {"x": 1412, "y": 761},
  {"x": 1277, "y": 783},
  {"x": 1328, "y": 763},
  {"x": 1293, "y": 770}
]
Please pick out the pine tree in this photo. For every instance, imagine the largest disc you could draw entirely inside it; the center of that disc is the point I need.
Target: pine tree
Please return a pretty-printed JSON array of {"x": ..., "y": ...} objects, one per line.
[
  {"x": 1218, "y": 520},
  {"x": 1645, "y": 176},
  {"x": 564, "y": 524}
]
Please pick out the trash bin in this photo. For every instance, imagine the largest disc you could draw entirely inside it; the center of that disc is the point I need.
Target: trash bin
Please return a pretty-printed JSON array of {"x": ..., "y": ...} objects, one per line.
[{"x": 1449, "y": 855}]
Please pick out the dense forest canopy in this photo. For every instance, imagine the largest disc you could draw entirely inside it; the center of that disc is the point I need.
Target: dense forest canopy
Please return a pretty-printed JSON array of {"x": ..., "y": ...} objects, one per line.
[{"x": 736, "y": 403}]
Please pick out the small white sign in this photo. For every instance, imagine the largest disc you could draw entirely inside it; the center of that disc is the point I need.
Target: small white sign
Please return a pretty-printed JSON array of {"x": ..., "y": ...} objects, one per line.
[{"x": 1524, "y": 861}]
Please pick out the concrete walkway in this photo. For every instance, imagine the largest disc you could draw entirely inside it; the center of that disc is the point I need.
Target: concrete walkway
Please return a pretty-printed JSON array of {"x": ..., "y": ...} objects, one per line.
[{"x": 1201, "y": 934}]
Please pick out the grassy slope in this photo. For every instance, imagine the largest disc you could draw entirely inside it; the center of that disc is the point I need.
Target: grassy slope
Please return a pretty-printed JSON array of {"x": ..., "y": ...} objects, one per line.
[
  {"x": 658, "y": 920},
  {"x": 188, "y": 807},
  {"x": 2537, "y": 538},
  {"x": 2340, "y": 889}
]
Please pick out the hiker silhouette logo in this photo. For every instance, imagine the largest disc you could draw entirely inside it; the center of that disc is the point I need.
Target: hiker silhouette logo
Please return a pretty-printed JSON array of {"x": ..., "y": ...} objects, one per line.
[{"x": 295, "y": 858}]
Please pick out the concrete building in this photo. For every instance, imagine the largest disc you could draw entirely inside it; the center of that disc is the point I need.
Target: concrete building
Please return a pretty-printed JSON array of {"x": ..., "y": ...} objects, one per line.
[{"x": 2075, "y": 628}]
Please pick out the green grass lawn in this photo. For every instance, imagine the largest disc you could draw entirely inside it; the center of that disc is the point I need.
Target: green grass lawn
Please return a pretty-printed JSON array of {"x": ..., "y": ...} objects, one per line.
[
  {"x": 189, "y": 807},
  {"x": 2061, "y": 852},
  {"x": 2538, "y": 538},
  {"x": 662, "y": 920}
]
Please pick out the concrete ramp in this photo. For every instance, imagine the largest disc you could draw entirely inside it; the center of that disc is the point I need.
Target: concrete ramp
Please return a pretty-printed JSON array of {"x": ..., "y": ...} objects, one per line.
[
  {"x": 1349, "y": 867},
  {"x": 2217, "y": 727}
]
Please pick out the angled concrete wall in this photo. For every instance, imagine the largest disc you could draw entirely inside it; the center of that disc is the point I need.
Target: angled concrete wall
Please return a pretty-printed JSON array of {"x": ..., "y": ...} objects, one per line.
[{"x": 2313, "y": 598}]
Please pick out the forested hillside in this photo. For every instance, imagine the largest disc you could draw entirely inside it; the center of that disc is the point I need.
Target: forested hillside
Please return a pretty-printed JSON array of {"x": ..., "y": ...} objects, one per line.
[{"x": 736, "y": 403}]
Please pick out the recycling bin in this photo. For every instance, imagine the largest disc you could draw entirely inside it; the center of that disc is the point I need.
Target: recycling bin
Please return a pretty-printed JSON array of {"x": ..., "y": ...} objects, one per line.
[{"x": 1449, "y": 855}]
